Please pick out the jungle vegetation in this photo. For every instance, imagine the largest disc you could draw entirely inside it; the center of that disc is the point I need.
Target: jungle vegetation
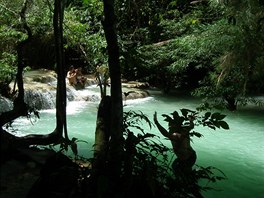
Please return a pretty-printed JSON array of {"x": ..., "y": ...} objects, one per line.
[{"x": 213, "y": 48}]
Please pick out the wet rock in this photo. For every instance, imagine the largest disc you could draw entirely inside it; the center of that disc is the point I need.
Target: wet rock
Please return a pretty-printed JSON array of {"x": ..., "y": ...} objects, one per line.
[
  {"x": 136, "y": 84},
  {"x": 5, "y": 104},
  {"x": 40, "y": 90},
  {"x": 41, "y": 75},
  {"x": 38, "y": 99},
  {"x": 135, "y": 94}
]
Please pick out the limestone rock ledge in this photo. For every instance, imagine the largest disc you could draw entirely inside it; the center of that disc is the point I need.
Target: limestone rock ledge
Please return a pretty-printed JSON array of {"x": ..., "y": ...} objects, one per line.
[{"x": 40, "y": 90}]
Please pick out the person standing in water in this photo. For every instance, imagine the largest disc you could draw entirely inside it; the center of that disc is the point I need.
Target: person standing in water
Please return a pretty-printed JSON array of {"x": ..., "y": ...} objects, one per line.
[
  {"x": 71, "y": 76},
  {"x": 180, "y": 140},
  {"x": 80, "y": 77}
]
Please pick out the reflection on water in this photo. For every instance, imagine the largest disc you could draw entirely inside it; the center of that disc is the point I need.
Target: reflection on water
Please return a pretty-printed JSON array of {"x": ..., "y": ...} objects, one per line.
[{"x": 238, "y": 152}]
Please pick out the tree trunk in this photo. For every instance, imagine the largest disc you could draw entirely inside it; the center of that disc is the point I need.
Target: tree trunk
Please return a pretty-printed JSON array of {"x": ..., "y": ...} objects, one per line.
[
  {"x": 60, "y": 67},
  {"x": 116, "y": 140},
  {"x": 102, "y": 135}
]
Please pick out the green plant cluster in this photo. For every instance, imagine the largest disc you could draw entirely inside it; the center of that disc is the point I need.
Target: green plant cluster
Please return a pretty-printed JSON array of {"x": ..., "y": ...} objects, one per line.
[
  {"x": 214, "y": 48},
  {"x": 151, "y": 158},
  {"x": 204, "y": 46}
]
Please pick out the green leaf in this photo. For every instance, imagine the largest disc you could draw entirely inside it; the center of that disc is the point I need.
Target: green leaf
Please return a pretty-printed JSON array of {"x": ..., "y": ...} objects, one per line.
[
  {"x": 217, "y": 124},
  {"x": 221, "y": 116},
  {"x": 167, "y": 118},
  {"x": 207, "y": 115},
  {"x": 175, "y": 115},
  {"x": 86, "y": 2},
  {"x": 74, "y": 148},
  {"x": 224, "y": 125},
  {"x": 184, "y": 112},
  {"x": 212, "y": 127},
  {"x": 218, "y": 116}
]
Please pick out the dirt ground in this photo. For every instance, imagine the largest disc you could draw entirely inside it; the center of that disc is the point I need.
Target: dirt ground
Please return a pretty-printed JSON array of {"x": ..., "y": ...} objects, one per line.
[
  {"x": 20, "y": 171},
  {"x": 17, "y": 177}
]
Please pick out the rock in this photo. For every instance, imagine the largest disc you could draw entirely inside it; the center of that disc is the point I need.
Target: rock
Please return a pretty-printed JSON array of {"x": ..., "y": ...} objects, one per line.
[
  {"x": 39, "y": 99},
  {"x": 136, "y": 84},
  {"x": 5, "y": 104},
  {"x": 40, "y": 90},
  {"x": 41, "y": 75},
  {"x": 135, "y": 94}
]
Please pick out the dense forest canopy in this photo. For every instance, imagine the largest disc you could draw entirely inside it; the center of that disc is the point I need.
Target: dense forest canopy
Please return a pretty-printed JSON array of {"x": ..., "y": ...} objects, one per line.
[
  {"x": 214, "y": 49},
  {"x": 205, "y": 46}
]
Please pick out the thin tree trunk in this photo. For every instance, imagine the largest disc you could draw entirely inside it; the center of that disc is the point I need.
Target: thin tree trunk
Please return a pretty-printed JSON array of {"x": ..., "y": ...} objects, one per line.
[
  {"x": 60, "y": 67},
  {"x": 116, "y": 141}
]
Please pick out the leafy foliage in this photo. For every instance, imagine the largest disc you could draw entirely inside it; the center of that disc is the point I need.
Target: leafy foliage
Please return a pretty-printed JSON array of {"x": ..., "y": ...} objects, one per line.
[
  {"x": 186, "y": 49},
  {"x": 215, "y": 47},
  {"x": 7, "y": 67},
  {"x": 239, "y": 64},
  {"x": 150, "y": 158},
  {"x": 7, "y": 73},
  {"x": 188, "y": 119},
  {"x": 84, "y": 32}
]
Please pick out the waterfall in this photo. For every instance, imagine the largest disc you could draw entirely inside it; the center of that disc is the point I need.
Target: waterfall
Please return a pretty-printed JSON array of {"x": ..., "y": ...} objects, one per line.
[
  {"x": 46, "y": 99},
  {"x": 40, "y": 100}
]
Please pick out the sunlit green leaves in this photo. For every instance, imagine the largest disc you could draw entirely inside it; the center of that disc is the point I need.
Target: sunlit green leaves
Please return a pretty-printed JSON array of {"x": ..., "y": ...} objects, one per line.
[{"x": 7, "y": 67}]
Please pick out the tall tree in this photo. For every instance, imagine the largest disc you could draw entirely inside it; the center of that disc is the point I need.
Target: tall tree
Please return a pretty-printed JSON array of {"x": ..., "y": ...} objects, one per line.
[
  {"x": 60, "y": 66},
  {"x": 116, "y": 133},
  {"x": 108, "y": 149}
]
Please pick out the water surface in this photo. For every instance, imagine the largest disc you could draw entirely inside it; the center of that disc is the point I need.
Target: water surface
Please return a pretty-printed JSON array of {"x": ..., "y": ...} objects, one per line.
[{"x": 238, "y": 152}]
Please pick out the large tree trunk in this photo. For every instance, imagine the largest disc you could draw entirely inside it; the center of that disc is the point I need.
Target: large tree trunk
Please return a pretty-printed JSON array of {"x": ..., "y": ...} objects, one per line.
[{"x": 116, "y": 139}]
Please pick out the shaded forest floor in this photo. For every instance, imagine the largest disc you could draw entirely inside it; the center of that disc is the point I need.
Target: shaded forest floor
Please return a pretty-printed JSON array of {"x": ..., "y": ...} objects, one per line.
[
  {"x": 20, "y": 169},
  {"x": 32, "y": 172},
  {"x": 17, "y": 177},
  {"x": 18, "y": 172}
]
